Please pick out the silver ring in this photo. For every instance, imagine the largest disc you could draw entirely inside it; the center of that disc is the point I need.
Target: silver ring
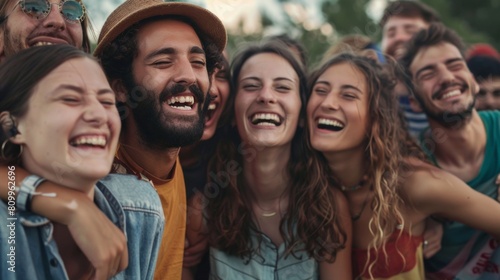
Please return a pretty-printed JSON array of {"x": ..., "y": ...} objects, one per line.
[{"x": 426, "y": 243}]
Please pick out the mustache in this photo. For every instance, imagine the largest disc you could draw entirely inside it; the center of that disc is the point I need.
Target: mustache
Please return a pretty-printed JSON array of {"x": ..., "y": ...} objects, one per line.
[
  {"x": 180, "y": 88},
  {"x": 445, "y": 86},
  {"x": 53, "y": 34}
]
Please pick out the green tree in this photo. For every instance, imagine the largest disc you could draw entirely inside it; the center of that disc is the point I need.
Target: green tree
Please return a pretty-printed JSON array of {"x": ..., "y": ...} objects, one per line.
[{"x": 475, "y": 21}]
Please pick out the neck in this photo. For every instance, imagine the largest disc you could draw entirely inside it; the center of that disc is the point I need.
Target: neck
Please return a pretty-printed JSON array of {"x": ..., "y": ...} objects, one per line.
[
  {"x": 190, "y": 155},
  {"x": 469, "y": 139},
  {"x": 158, "y": 163},
  {"x": 348, "y": 166},
  {"x": 266, "y": 173}
]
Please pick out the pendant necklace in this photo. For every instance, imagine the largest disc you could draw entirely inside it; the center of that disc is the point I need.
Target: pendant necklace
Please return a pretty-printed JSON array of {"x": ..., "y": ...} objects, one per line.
[
  {"x": 363, "y": 206},
  {"x": 355, "y": 187}
]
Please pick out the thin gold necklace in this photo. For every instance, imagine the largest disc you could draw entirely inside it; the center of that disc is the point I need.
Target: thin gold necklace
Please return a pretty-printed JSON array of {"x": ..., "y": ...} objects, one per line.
[{"x": 269, "y": 214}]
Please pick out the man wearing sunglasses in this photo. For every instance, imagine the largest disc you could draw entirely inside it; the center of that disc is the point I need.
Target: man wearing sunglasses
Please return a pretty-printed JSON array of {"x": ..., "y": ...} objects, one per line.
[{"x": 28, "y": 23}]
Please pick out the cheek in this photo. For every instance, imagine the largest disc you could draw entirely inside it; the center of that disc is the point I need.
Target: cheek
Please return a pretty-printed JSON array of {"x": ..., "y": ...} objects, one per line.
[
  {"x": 114, "y": 120},
  {"x": 204, "y": 81},
  {"x": 224, "y": 93},
  {"x": 76, "y": 32}
]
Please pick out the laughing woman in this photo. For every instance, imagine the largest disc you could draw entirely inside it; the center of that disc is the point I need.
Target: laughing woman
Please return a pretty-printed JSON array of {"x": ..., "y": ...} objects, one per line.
[
  {"x": 271, "y": 214},
  {"x": 59, "y": 122},
  {"x": 353, "y": 122}
]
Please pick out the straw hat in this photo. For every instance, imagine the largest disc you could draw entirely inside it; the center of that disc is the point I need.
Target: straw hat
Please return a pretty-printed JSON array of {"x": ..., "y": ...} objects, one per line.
[{"x": 133, "y": 11}]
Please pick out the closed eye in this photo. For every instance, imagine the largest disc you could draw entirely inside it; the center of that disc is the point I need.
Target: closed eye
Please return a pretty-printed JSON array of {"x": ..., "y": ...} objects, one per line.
[
  {"x": 162, "y": 63},
  {"x": 200, "y": 63},
  {"x": 321, "y": 90},
  {"x": 250, "y": 87}
]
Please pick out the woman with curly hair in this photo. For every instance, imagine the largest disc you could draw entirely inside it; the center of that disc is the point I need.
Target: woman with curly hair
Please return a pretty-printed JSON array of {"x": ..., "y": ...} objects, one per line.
[
  {"x": 271, "y": 214},
  {"x": 391, "y": 190}
]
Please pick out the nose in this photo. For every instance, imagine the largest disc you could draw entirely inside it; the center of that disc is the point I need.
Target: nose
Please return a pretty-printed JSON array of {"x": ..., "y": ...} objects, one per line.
[
  {"x": 331, "y": 102},
  {"x": 95, "y": 113},
  {"x": 214, "y": 91},
  {"x": 446, "y": 76},
  {"x": 401, "y": 36},
  {"x": 184, "y": 73},
  {"x": 54, "y": 19},
  {"x": 266, "y": 95}
]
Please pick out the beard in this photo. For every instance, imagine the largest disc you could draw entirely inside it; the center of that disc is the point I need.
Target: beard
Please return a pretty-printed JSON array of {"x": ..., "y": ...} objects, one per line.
[
  {"x": 159, "y": 129},
  {"x": 449, "y": 119},
  {"x": 12, "y": 45}
]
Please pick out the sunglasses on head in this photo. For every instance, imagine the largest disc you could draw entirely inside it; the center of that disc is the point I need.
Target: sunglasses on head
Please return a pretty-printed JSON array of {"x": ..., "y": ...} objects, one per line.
[{"x": 72, "y": 11}]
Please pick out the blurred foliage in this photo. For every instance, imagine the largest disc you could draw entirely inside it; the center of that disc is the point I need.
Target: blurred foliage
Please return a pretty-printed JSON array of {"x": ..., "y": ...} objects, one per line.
[{"x": 476, "y": 21}]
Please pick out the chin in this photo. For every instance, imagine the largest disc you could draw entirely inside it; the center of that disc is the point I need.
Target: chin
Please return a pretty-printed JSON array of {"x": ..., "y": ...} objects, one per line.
[{"x": 208, "y": 133}]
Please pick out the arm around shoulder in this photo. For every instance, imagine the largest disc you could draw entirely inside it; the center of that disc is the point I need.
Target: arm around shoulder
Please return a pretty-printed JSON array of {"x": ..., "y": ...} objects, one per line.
[{"x": 436, "y": 192}]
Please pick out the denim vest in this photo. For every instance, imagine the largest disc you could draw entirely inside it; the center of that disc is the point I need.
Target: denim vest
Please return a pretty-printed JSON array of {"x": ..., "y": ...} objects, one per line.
[{"x": 131, "y": 204}]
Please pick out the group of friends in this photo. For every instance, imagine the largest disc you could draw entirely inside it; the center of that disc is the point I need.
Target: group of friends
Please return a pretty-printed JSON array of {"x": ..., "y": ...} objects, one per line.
[{"x": 157, "y": 158}]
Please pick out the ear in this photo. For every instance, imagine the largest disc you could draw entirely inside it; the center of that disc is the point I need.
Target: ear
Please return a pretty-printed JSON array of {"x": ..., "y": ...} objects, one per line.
[
  {"x": 120, "y": 90},
  {"x": 11, "y": 128},
  {"x": 475, "y": 87},
  {"x": 415, "y": 105}
]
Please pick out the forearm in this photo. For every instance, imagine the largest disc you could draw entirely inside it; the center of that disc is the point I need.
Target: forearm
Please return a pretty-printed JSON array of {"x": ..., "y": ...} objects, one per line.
[{"x": 58, "y": 209}]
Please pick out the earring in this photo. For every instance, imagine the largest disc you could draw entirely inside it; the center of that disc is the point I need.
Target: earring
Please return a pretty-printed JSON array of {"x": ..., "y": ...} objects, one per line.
[
  {"x": 13, "y": 131},
  {"x": 2, "y": 151}
]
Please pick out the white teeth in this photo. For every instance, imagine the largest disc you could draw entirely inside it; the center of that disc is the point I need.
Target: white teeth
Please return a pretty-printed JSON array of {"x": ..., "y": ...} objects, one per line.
[
  {"x": 330, "y": 122},
  {"x": 266, "y": 124},
  {"x": 212, "y": 106},
  {"x": 266, "y": 117},
  {"x": 451, "y": 93},
  {"x": 90, "y": 140},
  {"x": 43, "y": 44},
  {"x": 183, "y": 100},
  {"x": 185, "y": 108}
]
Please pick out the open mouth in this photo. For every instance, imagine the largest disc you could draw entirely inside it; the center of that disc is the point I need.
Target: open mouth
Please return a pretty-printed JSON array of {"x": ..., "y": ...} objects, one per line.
[
  {"x": 329, "y": 124},
  {"x": 448, "y": 93},
  {"x": 266, "y": 119},
  {"x": 451, "y": 94},
  {"x": 42, "y": 44},
  {"x": 95, "y": 141},
  {"x": 184, "y": 103},
  {"x": 210, "y": 112}
]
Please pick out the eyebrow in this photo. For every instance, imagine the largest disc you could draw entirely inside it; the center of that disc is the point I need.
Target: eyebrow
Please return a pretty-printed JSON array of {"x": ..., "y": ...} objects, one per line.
[
  {"x": 278, "y": 79},
  {"x": 81, "y": 90},
  {"x": 169, "y": 51},
  {"x": 432, "y": 66},
  {"x": 342, "y": 87}
]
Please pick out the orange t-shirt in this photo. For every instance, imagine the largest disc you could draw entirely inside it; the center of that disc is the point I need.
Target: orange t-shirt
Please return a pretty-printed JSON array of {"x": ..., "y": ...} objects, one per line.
[{"x": 172, "y": 194}]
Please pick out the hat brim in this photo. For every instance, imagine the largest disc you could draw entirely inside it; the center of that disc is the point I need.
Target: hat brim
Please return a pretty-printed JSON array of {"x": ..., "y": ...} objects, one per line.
[{"x": 124, "y": 17}]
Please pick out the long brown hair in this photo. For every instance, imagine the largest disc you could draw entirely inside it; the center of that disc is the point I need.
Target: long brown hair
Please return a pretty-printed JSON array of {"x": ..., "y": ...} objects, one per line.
[
  {"x": 311, "y": 221},
  {"x": 388, "y": 145}
]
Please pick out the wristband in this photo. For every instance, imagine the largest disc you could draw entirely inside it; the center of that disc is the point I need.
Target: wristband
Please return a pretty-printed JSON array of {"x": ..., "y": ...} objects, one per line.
[{"x": 27, "y": 191}]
